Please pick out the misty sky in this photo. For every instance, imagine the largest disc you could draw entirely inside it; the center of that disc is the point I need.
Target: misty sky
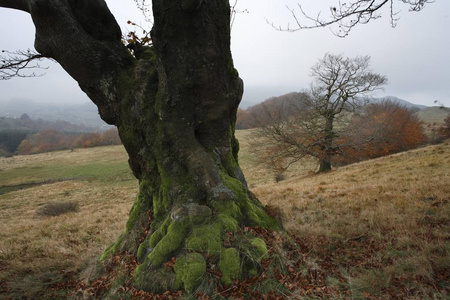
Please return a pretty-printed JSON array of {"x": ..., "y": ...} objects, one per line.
[{"x": 414, "y": 56}]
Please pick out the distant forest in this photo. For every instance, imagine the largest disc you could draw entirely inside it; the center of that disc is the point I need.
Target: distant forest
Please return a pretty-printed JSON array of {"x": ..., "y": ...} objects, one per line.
[{"x": 26, "y": 136}]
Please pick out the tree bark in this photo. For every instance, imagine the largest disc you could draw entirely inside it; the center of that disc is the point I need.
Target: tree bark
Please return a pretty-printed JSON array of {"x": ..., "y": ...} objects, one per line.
[
  {"x": 175, "y": 108},
  {"x": 327, "y": 146}
]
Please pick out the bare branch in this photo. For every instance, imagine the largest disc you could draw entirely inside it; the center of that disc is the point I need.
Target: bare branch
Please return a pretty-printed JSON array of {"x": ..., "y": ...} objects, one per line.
[
  {"x": 349, "y": 14},
  {"x": 234, "y": 11},
  {"x": 16, "y": 64},
  {"x": 146, "y": 9}
]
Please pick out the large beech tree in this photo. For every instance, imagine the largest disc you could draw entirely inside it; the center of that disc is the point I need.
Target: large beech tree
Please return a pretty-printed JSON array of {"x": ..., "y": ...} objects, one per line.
[{"x": 174, "y": 105}]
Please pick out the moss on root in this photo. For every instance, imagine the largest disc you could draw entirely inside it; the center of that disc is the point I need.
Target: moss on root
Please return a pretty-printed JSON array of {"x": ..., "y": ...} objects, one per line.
[
  {"x": 190, "y": 270},
  {"x": 229, "y": 265},
  {"x": 206, "y": 238},
  {"x": 172, "y": 241}
]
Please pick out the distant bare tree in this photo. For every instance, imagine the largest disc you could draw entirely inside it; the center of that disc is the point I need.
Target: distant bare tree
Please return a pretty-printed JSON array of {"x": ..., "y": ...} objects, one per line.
[
  {"x": 339, "y": 86},
  {"x": 349, "y": 14}
]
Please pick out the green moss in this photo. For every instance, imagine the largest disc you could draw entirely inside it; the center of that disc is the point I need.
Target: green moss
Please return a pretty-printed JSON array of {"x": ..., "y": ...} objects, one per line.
[
  {"x": 205, "y": 238},
  {"x": 190, "y": 270},
  {"x": 109, "y": 252},
  {"x": 229, "y": 265},
  {"x": 228, "y": 215},
  {"x": 168, "y": 244},
  {"x": 227, "y": 222},
  {"x": 141, "y": 206},
  {"x": 259, "y": 248},
  {"x": 112, "y": 249},
  {"x": 253, "y": 209},
  {"x": 253, "y": 250},
  {"x": 159, "y": 233}
]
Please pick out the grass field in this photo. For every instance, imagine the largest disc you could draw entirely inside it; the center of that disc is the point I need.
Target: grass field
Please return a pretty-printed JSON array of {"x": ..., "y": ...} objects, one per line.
[{"x": 378, "y": 229}]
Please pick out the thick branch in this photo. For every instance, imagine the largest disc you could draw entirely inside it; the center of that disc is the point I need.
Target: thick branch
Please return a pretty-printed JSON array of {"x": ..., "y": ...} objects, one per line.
[{"x": 16, "y": 4}]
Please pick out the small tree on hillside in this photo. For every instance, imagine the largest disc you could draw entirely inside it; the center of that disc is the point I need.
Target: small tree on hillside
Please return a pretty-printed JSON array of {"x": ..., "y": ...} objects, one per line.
[{"x": 338, "y": 89}]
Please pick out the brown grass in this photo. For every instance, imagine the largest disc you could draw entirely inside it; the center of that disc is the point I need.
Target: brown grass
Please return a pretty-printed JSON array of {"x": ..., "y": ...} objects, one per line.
[
  {"x": 384, "y": 223},
  {"x": 378, "y": 228}
]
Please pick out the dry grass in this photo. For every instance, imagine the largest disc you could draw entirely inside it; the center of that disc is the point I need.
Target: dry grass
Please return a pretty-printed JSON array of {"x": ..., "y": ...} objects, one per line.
[
  {"x": 36, "y": 253},
  {"x": 257, "y": 173},
  {"x": 377, "y": 228},
  {"x": 384, "y": 222}
]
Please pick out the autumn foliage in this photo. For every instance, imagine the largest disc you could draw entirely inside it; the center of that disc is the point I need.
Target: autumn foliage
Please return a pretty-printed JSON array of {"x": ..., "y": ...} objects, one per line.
[
  {"x": 52, "y": 140},
  {"x": 385, "y": 128}
]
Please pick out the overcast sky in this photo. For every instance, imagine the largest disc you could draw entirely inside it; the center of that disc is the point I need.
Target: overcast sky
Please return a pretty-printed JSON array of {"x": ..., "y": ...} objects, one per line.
[{"x": 414, "y": 56}]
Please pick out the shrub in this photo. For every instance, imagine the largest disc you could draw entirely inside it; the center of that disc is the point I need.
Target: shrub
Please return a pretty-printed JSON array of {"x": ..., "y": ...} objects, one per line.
[
  {"x": 279, "y": 177},
  {"x": 51, "y": 209}
]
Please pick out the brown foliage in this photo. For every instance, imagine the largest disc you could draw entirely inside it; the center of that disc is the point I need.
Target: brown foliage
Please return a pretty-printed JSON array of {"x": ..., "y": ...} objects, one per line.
[
  {"x": 388, "y": 127},
  {"x": 51, "y": 140}
]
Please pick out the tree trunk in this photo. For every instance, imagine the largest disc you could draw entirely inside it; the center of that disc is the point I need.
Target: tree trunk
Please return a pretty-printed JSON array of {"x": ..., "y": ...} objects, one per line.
[
  {"x": 325, "y": 165},
  {"x": 178, "y": 129},
  {"x": 327, "y": 148},
  {"x": 175, "y": 108}
]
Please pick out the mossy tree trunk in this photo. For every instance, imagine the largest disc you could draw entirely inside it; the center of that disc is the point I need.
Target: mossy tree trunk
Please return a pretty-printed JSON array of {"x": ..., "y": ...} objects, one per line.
[{"x": 175, "y": 107}]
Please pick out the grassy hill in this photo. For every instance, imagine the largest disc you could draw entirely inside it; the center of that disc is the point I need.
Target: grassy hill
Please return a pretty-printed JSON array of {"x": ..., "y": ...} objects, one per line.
[
  {"x": 435, "y": 114},
  {"x": 377, "y": 229}
]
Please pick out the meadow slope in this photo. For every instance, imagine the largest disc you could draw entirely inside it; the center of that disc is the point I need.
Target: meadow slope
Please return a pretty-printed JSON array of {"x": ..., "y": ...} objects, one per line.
[{"x": 376, "y": 229}]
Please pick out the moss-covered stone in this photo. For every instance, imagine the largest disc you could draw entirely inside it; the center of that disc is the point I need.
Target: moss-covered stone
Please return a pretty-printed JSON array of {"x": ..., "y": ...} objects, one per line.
[
  {"x": 189, "y": 270},
  {"x": 229, "y": 265},
  {"x": 205, "y": 238}
]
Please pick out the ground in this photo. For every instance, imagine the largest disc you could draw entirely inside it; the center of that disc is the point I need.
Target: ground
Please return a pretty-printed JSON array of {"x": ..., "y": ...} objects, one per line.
[{"x": 375, "y": 229}]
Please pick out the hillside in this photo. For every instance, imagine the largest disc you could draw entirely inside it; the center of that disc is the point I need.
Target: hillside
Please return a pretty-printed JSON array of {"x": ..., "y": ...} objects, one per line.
[
  {"x": 376, "y": 229},
  {"x": 284, "y": 105},
  {"x": 86, "y": 113},
  {"x": 435, "y": 114}
]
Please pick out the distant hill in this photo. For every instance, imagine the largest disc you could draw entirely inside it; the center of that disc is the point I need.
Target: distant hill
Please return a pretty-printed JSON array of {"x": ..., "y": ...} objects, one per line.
[
  {"x": 86, "y": 113},
  {"x": 26, "y": 124},
  {"x": 246, "y": 115},
  {"x": 435, "y": 114},
  {"x": 401, "y": 101}
]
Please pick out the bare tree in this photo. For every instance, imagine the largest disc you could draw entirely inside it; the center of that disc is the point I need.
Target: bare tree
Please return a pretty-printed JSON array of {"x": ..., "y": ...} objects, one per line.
[
  {"x": 338, "y": 89},
  {"x": 349, "y": 14}
]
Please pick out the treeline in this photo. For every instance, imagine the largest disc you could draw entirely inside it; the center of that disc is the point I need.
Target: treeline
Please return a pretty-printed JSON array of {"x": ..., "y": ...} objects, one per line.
[
  {"x": 26, "y": 136},
  {"x": 284, "y": 132},
  {"x": 52, "y": 140},
  {"x": 25, "y": 123}
]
